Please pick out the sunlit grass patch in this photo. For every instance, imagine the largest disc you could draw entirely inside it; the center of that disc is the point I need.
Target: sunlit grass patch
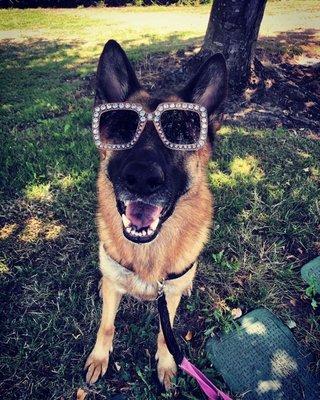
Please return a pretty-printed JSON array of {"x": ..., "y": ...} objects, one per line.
[
  {"x": 225, "y": 130},
  {"x": 73, "y": 180},
  {"x": 4, "y": 269},
  {"x": 32, "y": 230},
  {"x": 38, "y": 192},
  {"x": 315, "y": 173},
  {"x": 7, "y": 230},
  {"x": 219, "y": 179},
  {"x": 246, "y": 167},
  {"x": 303, "y": 154},
  {"x": 36, "y": 229},
  {"x": 67, "y": 182},
  {"x": 52, "y": 231},
  {"x": 240, "y": 169}
]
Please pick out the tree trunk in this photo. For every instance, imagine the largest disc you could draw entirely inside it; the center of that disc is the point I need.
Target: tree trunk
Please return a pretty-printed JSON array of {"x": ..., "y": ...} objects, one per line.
[{"x": 233, "y": 30}]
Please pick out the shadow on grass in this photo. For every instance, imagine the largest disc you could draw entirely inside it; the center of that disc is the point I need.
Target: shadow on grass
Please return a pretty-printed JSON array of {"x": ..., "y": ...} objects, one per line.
[
  {"x": 49, "y": 296},
  {"x": 49, "y": 250},
  {"x": 48, "y": 254},
  {"x": 284, "y": 90},
  {"x": 288, "y": 44},
  {"x": 272, "y": 177},
  {"x": 46, "y": 108}
]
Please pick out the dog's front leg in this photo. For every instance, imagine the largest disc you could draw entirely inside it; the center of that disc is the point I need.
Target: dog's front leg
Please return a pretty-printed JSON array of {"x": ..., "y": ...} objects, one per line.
[
  {"x": 97, "y": 362},
  {"x": 167, "y": 368}
]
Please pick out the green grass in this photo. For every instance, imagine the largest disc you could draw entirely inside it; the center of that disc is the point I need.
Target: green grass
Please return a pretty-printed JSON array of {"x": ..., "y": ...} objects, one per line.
[{"x": 266, "y": 186}]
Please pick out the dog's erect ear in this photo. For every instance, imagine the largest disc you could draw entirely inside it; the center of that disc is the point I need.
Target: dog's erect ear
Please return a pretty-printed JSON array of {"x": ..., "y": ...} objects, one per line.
[
  {"x": 209, "y": 86},
  {"x": 116, "y": 79}
]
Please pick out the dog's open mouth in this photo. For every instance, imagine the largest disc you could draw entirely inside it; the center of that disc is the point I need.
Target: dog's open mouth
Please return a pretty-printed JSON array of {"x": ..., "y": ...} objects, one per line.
[{"x": 141, "y": 221}]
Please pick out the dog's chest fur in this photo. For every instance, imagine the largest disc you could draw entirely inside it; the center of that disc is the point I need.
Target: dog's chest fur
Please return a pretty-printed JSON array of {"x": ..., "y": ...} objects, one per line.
[{"x": 127, "y": 281}]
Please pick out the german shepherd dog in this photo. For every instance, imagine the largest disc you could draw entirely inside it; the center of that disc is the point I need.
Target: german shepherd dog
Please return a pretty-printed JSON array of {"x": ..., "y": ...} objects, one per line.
[{"x": 154, "y": 205}]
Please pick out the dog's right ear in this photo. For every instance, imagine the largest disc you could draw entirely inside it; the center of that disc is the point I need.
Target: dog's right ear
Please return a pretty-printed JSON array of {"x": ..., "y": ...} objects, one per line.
[
  {"x": 116, "y": 79},
  {"x": 209, "y": 86}
]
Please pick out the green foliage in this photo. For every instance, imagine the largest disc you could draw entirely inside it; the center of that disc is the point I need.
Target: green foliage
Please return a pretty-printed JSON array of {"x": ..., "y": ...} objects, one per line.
[
  {"x": 121, "y": 3},
  {"x": 221, "y": 261},
  {"x": 88, "y": 3},
  {"x": 48, "y": 3},
  {"x": 311, "y": 292},
  {"x": 221, "y": 318}
]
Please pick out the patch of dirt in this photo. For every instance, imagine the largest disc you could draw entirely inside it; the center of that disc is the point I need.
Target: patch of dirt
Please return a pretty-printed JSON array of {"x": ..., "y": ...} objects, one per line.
[
  {"x": 284, "y": 90},
  {"x": 283, "y": 95}
]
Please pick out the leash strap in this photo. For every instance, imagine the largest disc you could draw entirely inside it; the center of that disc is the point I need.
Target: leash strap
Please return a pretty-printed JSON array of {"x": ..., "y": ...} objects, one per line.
[
  {"x": 212, "y": 392},
  {"x": 171, "y": 342}
]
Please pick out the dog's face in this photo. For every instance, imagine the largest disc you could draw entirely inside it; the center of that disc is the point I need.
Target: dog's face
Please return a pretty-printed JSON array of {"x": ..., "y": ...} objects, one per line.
[{"x": 150, "y": 179}]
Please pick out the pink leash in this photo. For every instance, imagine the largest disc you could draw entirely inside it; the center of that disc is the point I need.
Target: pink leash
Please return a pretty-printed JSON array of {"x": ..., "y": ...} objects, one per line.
[{"x": 212, "y": 392}]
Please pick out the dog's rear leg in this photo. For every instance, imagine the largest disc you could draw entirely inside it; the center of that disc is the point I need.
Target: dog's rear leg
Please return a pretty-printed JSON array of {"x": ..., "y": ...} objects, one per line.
[
  {"x": 97, "y": 362},
  {"x": 167, "y": 368}
]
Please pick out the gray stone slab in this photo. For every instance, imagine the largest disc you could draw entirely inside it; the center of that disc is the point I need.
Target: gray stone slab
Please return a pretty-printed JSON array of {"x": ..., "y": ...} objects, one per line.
[
  {"x": 261, "y": 360},
  {"x": 310, "y": 273}
]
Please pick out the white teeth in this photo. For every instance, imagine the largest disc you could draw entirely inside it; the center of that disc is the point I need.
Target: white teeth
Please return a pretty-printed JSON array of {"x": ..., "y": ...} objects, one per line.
[
  {"x": 126, "y": 221},
  {"x": 145, "y": 232},
  {"x": 154, "y": 224}
]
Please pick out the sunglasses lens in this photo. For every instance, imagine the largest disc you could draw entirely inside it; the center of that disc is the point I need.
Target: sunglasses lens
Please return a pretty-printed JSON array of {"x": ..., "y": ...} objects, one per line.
[
  {"x": 181, "y": 126},
  {"x": 118, "y": 126}
]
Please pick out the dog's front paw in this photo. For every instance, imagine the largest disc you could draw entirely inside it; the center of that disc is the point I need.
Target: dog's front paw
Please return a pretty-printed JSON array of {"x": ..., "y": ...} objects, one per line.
[
  {"x": 96, "y": 367},
  {"x": 167, "y": 370}
]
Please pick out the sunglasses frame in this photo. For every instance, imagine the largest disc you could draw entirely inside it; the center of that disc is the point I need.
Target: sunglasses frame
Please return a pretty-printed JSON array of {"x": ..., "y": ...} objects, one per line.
[{"x": 144, "y": 117}]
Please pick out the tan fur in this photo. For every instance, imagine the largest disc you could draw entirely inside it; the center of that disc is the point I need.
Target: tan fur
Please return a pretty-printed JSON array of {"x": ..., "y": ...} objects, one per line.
[
  {"x": 182, "y": 235},
  {"x": 177, "y": 245}
]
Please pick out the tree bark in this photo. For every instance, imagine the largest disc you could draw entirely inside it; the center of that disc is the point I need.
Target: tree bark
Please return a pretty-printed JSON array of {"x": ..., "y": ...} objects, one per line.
[{"x": 233, "y": 30}]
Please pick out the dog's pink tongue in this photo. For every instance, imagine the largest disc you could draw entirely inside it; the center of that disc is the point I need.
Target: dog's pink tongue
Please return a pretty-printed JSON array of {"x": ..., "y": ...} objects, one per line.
[{"x": 141, "y": 214}]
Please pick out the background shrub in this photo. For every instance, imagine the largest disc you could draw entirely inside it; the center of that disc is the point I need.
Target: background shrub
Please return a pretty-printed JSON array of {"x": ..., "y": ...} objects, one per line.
[
  {"x": 47, "y": 3},
  {"x": 88, "y": 3}
]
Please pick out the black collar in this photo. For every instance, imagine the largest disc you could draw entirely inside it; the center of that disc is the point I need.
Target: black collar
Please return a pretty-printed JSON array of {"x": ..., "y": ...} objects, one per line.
[
  {"x": 169, "y": 276},
  {"x": 173, "y": 275}
]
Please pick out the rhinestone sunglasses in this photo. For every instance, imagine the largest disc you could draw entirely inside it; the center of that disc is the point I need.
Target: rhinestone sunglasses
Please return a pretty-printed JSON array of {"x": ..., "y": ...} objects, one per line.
[{"x": 181, "y": 126}]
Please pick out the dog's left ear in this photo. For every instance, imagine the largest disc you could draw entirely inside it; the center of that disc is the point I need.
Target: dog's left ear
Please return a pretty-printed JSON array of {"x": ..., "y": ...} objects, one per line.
[
  {"x": 116, "y": 79},
  {"x": 209, "y": 86}
]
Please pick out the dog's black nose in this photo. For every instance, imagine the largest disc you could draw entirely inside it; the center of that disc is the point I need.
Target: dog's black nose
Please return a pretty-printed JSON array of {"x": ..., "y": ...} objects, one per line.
[{"x": 142, "y": 177}]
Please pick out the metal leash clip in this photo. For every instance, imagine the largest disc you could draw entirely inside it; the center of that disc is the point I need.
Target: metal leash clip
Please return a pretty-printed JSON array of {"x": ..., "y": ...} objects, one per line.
[{"x": 161, "y": 286}]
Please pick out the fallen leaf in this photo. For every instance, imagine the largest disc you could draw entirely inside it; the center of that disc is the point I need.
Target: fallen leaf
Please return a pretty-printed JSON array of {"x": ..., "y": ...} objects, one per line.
[
  {"x": 236, "y": 313},
  {"x": 81, "y": 394},
  {"x": 189, "y": 336},
  {"x": 291, "y": 324},
  {"x": 293, "y": 302}
]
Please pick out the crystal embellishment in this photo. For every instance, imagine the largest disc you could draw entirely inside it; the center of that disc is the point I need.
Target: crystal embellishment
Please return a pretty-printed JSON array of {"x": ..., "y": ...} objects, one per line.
[{"x": 155, "y": 116}]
